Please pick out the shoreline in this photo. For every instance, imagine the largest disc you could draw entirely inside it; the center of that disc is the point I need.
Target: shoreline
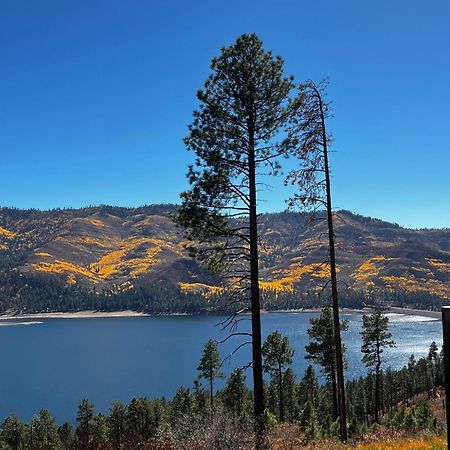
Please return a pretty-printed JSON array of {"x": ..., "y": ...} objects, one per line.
[
  {"x": 415, "y": 312},
  {"x": 89, "y": 314},
  {"x": 317, "y": 310},
  {"x": 74, "y": 315}
]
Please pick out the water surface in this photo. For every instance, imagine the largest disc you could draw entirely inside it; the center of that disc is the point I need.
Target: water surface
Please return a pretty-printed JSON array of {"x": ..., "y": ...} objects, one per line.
[{"x": 55, "y": 363}]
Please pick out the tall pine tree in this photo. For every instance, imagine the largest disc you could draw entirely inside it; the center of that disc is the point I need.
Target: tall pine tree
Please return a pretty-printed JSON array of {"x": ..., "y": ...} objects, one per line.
[{"x": 239, "y": 131}]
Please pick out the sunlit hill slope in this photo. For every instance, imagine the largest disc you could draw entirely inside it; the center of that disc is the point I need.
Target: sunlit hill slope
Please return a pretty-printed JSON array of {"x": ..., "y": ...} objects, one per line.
[{"x": 111, "y": 247}]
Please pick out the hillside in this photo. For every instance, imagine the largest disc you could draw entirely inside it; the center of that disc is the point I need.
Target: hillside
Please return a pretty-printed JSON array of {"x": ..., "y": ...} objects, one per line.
[{"x": 113, "y": 248}]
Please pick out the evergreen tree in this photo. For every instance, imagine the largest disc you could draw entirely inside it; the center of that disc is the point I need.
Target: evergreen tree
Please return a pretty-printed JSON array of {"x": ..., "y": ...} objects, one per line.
[
  {"x": 321, "y": 349},
  {"x": 308, "y": 420},
  {"x": 289, "y": 394},
  {"x": 433, "y": 361},
  {"x": 45, "y": 432},
  {"x": 13, "y": 433},
  {"x": 66, "y": 435},
  {"x": 277, "y": 354},
  {"x": 85, "y": 417},
  {"x": 234, "y": 394},
  {"x": 117, "y": 421},
  {"x": 200, "y": 399},
  {"x": 99, "y": 432},
  {"x": 239, "y": 130},
  {"x": 181, "y": 405},
  {"x": 376, "y": 337},
  {"x": 308, "y": 388},
  {"x": 138, "y": 420},
  {"x": 209, "y": 367}
]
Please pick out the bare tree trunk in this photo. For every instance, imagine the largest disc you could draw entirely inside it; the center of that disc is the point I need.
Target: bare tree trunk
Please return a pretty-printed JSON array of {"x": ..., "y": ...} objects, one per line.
[
  {"x": 280, "y": 390},
  {"x": 211, "y": 393},
  {"x": 335, "y": 395},
  {"x": 255, "y": 301},
  {"x": 334, "y": 290},
  {"x": 377, "y": 394}
]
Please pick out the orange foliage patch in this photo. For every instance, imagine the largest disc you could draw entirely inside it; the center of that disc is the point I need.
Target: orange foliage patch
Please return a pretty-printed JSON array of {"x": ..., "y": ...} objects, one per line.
[
  {"x": 65, "y": 267},
  {"x": 200, "y": 288},
  {"x": 369, "y": 269},
  {"x": 116, "y": 261},
  {"x": 411, "y": 284},
  {"x": 8, "y": 234},
  {"x": 96, "y": 222},
  {"x": 293, "y": 274},
  {"x": 441, "y": 265},
  {"x": 407, "y": 444},
  {"x": 45, "y": 254}
]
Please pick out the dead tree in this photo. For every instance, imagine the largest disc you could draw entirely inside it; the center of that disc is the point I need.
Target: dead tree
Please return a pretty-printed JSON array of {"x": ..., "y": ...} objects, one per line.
[{"x": 313, "y": 181}]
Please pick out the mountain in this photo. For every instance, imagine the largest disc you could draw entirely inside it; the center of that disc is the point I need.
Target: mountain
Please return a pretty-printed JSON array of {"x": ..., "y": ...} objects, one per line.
[{"x": 113, "y": 249}]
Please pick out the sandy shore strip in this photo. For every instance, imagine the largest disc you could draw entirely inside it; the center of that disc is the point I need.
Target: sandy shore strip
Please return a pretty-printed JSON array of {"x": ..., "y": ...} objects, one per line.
[
  {"x": 415, "y": 312},
  {"x": 74, "y": 315},
  {"x": 13, "y": 324},
  {"x": 317, "y": 310},
  {"x": 129, "y": 313}
]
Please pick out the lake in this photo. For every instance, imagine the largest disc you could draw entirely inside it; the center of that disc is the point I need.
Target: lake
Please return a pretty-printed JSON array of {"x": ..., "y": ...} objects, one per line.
[{"x": 56, "y": 363}]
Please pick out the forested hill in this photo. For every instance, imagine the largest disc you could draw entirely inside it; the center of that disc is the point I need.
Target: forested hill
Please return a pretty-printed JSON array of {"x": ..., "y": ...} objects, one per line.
[{"x": 112, "y": 249}]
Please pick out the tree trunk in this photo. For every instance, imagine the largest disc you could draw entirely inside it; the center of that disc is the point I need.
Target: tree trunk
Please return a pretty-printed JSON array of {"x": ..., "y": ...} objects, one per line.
[
  {"x": 334, "y": 290},
  {"x": 211, "y": 392},
  {"x": 335, "y": 396},
  {"x": 377, "y": 393},
  {"x": 258, "y": 397},
  {"x": 280, "y": 390}
]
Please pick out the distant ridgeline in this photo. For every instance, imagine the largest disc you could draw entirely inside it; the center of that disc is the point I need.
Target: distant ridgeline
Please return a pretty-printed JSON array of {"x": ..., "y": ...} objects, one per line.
[{"x": 114, "y": 258}]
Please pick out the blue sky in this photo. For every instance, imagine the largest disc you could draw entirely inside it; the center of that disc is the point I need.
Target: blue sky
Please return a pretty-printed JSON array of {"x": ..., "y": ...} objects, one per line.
[{"x": 96, "y": 96}]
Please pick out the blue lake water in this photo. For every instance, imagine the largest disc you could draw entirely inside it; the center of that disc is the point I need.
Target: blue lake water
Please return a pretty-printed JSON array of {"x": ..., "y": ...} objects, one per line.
[{"x": 56, "y": 363}]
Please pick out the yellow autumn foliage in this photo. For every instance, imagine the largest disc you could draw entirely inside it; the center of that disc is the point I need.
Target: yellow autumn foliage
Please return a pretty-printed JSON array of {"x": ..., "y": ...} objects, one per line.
[
  {"x": 370, "y": 268},
  {"x": 96, "y": 222},
  {"x": 293, "y": 274},
  {"x": 60, "y": 266},
  {"x": 71, "y": 279},
  {"x": 438, "y": 443},
  {"x": 117, "y": 260},
  {"x": 441, "y": 265},
  {"x": 8, "y": 234},
  {"x": 200, "y": 288},
  {"x": 411, "y": 284}
]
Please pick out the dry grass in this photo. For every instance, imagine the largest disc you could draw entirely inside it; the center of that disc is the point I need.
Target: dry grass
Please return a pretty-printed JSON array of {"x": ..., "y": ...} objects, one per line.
[{"x": 290, "y": 437}]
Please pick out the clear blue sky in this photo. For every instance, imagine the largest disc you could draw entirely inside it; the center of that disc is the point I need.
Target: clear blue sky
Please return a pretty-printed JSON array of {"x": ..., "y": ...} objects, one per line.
[{"x": 96, "y": 96}]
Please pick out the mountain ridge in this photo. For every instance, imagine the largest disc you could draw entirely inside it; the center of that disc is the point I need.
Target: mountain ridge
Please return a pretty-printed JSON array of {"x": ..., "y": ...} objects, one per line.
[{"x": 113, "y": 248}]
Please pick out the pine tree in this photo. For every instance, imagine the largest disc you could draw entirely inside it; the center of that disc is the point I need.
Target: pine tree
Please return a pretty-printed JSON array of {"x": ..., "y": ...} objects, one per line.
[
  {"x": 85, "y": 418},
  {"x": 308, "y": 388},
  {"x": 433, "y": 361},
  {"x": 13, "y": 432},
  {"x": 239, "y": 131},
  {"x": 277, "y": 354},
  {"x": 117, "y": 420},
  {"x": 99, "y": 432},
  {"x": 376, "y": 337},
  {"x": 235, "y": 393},
  {"x": 289, "y": 393},
  {"x": 321, "y": 349},
  {"x": 45, "y": 432},
  {"x": 66, "y": 435},
  {"x": 209, "y": 367}
]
